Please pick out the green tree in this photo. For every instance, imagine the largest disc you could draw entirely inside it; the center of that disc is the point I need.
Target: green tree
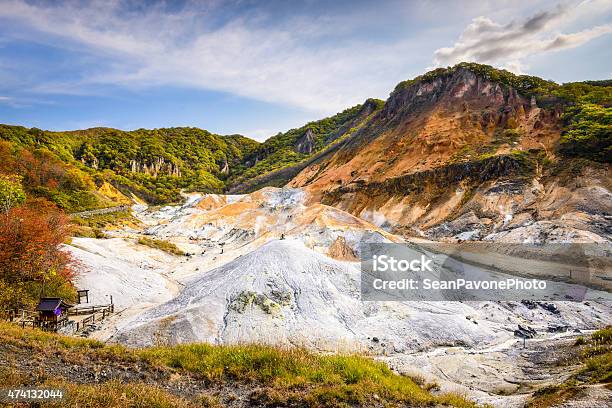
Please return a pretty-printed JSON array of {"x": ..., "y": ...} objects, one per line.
[
  {"x": 11, "y": 192},
  {"x": 589, "y": 132}
]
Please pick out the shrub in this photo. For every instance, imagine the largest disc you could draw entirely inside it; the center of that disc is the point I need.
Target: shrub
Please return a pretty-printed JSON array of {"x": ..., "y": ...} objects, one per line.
[
  {"x": 589, "y": 132},
  {"x": 160, "y": 244},
  {"x": 603, "y": 336},
  {"x": 11, "y": 192}
]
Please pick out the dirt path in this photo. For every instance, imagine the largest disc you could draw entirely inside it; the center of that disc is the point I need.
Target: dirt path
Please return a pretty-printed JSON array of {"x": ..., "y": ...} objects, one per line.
[
  {"x": 504, "y": 374},
  {"x": 590, "y": 396}
]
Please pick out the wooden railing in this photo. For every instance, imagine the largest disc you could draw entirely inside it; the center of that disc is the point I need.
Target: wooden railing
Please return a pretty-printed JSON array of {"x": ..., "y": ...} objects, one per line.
[
  {"x": 88, "y": 321},
  {"x": 17, "y": 314},
  {"x": 47, "y": 326},
  {"x": 28, "y": 318},
  {"x": 105, "y": 309},
  {"x": 28, "y": 323}
]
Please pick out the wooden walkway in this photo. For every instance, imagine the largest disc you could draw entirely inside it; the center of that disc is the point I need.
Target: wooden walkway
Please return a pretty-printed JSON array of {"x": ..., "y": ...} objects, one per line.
[
  {"x": 81, "y": 317},
  {"x": 88, "y": 315},
  {"x": 86, "y": 214}
]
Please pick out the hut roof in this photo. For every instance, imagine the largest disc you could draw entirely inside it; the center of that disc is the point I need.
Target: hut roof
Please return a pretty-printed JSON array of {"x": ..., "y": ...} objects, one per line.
[{"x": 50, "y": 304}]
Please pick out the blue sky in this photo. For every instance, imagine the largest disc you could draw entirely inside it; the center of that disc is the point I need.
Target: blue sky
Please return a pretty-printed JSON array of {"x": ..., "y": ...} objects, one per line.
[{"x": 260, "y": 67}]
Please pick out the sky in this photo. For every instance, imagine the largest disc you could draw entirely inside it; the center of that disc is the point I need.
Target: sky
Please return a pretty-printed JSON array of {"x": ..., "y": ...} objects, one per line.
[{"x": 260, "y": 67}]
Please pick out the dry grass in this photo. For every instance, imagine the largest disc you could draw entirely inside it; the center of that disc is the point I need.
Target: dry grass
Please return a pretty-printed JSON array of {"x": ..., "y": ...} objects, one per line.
[
  {"x": 115, "y": 394},
  {"x": 282, "y": 376},
  {"x": 12, "y": 334},
  {"x": 552, "y": 396},
  {"x": 109, "y": 394},
  {"x": 596, "y": 353},
  {"x": 298, "y": 375},
  {"x": 161, "y": 245},
  {"x": 93, "y": 226}
]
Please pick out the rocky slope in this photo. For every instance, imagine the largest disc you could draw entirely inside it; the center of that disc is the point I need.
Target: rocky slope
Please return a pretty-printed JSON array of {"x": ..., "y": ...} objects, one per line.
[
  {"x": 282, "y": 157},
  {"x": 272, "y": 260},
  {"x": 273, "y": 267},
  {"x": 460, "y": 155}
]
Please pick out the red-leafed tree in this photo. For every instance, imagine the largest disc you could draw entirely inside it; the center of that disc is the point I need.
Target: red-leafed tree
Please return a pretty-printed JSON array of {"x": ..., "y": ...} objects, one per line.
[{"x": 32, "y": 262}]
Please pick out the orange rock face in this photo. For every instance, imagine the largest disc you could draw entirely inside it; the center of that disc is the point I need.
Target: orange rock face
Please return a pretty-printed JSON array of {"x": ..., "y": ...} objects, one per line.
[{"x": 340, "y": 250}]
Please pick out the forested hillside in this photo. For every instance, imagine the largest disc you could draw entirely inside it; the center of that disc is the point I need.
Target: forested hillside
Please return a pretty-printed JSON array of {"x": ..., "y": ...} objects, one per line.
[
  {"x": 263, "y": 165},
  {"x": 100, "y": 167},
  {"x": 153, "y": 164},
  {"x": 76, "y": 169}
]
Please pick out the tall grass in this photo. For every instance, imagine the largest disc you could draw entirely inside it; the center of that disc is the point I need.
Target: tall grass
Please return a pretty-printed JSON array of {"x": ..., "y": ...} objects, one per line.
[
  {"x": 299, "y": 374},
  {"x": 283, "y": 376},
  {"x": 116, "y": 394}
]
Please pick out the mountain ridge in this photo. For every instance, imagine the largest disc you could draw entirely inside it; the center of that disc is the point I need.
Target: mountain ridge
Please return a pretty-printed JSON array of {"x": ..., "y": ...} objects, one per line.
[
  {"x": 465, "y": 153},
  {"x": 157, "y": 164},
  {"x": 440, "y": 148}
]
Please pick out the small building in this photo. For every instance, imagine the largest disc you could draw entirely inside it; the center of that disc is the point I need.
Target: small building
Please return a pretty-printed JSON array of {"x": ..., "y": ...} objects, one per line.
[{"x": 52, "y": 313}]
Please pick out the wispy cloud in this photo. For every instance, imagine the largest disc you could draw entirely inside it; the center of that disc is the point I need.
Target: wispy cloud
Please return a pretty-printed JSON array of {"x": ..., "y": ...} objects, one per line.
[
  {"x": 321, "y": 63},
  {"x": 10, "y": 101},
  {"x": 485, "y": 40},
  {"x": 282, "y": 63}
]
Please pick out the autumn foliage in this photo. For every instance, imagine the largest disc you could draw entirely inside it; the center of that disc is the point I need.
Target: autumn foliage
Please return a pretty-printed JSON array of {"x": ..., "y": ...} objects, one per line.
[
  {"x": 32, "y": 227},
  {"x": 32, "y": 263},
  {"x": 45, "y": 175}
]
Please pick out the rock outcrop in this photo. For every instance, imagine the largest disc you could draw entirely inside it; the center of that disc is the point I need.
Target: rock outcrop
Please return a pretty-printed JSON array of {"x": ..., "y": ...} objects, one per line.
[
  {"x": 454, "y": 142},
  {"x": 225, "y": 169},
  {"x": 341, "y": 250},
  {"x": 306, "y": 143},
  {"x": 156, "y": 167}
]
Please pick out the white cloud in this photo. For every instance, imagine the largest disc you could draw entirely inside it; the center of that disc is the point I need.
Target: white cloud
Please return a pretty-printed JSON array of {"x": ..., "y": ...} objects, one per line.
[
  {"x": 320, "y": 63},
  {"x": 281, "y": 63},
  {"x": 509, "y": 45},
  {"x": 10, "y": 101},
  {"x": 259, "y": 134}
]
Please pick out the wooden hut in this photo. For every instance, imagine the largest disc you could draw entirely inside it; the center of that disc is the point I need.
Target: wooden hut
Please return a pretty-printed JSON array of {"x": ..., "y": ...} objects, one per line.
[{"x": 52, "y": 313}]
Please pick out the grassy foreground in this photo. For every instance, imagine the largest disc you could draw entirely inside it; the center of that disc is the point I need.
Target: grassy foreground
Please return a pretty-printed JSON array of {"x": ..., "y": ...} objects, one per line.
[{"x": 269, "y": 376}]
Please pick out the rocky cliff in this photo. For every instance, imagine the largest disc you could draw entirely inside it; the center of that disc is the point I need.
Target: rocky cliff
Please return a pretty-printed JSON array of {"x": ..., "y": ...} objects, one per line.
[
  {"x": 275, "y": 162},
  {"x": 306, "y": 143},
  {"x": 155, "y": 167},
  {"x": 465, "y": 141}
]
